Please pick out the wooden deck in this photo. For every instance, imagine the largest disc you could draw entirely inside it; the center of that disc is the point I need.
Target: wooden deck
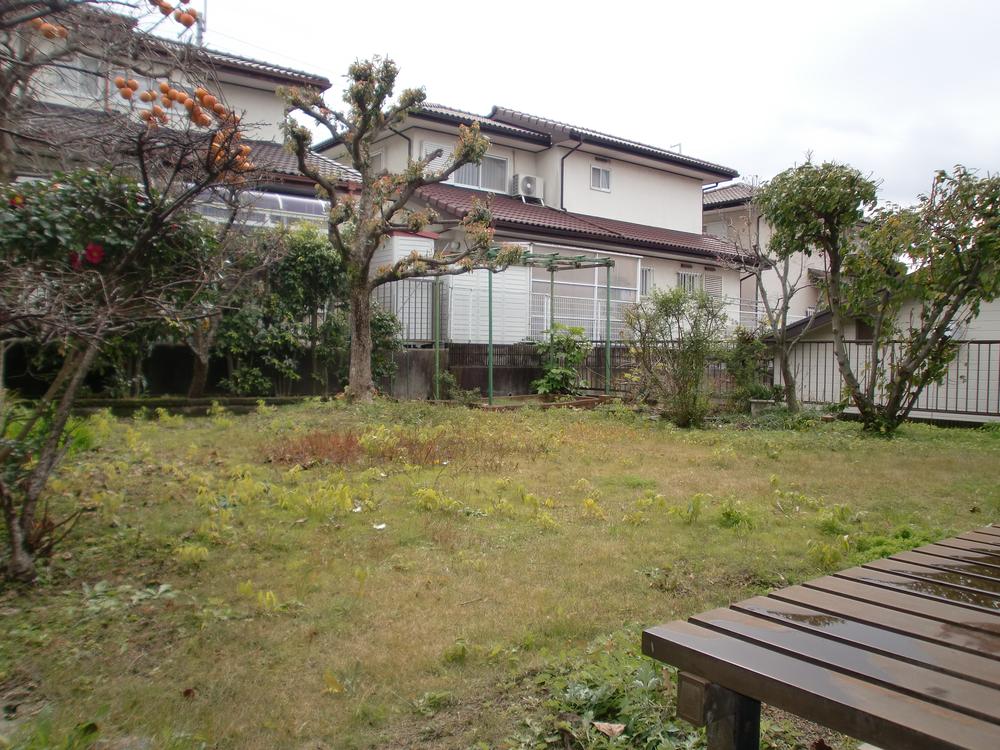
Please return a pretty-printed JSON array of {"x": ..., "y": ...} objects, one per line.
[{"x": 902, "y": 652}]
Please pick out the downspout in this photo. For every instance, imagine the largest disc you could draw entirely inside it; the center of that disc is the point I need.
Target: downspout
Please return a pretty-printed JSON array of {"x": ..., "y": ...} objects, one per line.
[{"x": 562, "y": 174}]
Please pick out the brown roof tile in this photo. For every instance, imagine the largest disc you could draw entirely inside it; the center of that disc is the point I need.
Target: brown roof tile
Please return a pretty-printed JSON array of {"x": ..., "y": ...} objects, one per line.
[
  {"x": 728, "y": 195},
  {"x": 564, "y": 131},
  {"x": 275, "y": 158},
  {"x": 511, "y": 213}
]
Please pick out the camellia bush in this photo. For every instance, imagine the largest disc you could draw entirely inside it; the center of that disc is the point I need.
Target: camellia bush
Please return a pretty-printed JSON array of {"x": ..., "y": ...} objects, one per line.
[{"x": 84, "y": 257}]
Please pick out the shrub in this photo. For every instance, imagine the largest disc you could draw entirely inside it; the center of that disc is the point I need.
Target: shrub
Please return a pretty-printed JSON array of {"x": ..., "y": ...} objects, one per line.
[
  {"x": 674, "y": 335},
  {"x": 745, "y": 361},
  {"x": 562, "y": 353}
]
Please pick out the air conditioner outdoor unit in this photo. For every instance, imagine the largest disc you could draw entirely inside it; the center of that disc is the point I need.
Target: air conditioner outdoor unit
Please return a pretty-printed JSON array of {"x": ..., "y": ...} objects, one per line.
[{"x": 529, "y": 187}]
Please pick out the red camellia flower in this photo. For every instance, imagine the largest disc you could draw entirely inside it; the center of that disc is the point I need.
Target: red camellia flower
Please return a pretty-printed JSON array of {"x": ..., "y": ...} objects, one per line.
[
  {"x": 17, "y": 201},
  {"x": 75, "y": 261},
  {"x": 94, "y": 253}
]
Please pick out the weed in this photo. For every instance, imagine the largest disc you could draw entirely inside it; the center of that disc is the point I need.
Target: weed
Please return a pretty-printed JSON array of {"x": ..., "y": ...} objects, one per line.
[
  {"x": 191, "y": 554},
  {"x": 456, "y": 653},
  {"x": 430, "y": 703},
  {"x": 690, "y": 513},
  {"x": 732, "y": 516},
  {"x": 592, "y": 509}
]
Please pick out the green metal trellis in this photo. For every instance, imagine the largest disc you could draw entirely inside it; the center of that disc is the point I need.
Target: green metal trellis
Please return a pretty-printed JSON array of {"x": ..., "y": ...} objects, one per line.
[{"x": 553, "y": 262}]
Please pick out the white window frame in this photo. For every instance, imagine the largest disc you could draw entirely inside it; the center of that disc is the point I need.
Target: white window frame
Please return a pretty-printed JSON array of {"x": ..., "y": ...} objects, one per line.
[
  {"x": 696, "y": 279},
  {"x": 646, "y": 281},
  {"x": 600, "y": 170},
  {"x": 381, "y": 155},
  {"x": 479, "y": 172}
]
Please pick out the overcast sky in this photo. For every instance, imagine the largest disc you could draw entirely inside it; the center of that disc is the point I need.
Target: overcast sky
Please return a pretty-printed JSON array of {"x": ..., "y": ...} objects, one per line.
[{"x": 895, "y": 88}]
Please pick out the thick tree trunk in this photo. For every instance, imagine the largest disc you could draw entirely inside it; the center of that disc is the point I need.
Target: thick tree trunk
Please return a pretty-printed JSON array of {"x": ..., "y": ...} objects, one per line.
[
  {"x": 788, "y": 381},
  {"x": 360, "y": 386},
  {"x": 199, "y": 375}
]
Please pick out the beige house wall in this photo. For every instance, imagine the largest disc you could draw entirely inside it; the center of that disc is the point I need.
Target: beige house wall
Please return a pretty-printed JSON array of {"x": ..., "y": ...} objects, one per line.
[{"x": 639, "y": 194}]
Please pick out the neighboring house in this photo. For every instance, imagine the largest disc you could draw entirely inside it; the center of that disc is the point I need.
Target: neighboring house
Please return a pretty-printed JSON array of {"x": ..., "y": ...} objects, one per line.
[
  {"x": 730, "y": 213},
  {"x": 80, "y": 99},
  {"x": 556, "y": 189}
]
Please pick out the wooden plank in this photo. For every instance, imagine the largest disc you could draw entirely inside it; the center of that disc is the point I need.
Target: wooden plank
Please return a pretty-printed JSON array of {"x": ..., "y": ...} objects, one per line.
[
  {"x": 936, "y": 562},
  {"x": 904, "y": 618},
  {"x": 991, "y": 529},
  {"x": 875, "y": 639},
  {"x": 870, "y": 587},
  {"x": 988, "y": 539},
  {"x": 846, "y": 704},
  {"x": 963, "y": 543},
  {"x": 960, "y": 553},
  {"x": 946, "y": 578},
  {"x": 919, "y": 682}
]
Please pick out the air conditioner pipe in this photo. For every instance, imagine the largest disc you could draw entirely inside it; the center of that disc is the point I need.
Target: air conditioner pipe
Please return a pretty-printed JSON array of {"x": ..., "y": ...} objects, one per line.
[{"x": 562, "y": 174}]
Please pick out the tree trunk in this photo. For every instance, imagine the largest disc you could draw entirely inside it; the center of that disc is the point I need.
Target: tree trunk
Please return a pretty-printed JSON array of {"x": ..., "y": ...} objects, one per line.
[
  {"x": 360, "y": 386},
  {"x": 201, "y": 342},
  {"x": 788, "y": 381},
  {"x": 199, "y": 376},
  {"x": 20, "y": 566},
  {"x": 313, "y": 335}
]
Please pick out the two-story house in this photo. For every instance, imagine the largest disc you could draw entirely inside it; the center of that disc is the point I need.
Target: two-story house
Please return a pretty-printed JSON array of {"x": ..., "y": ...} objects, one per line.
[
  {"x": 556, "y": 188},
  {"x": 730, "y": 213},
  {"x": 77, "y": 99}
]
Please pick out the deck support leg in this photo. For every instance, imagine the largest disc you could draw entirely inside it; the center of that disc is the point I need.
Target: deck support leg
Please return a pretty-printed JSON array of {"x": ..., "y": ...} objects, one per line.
[{"x": 732, "y": 721}]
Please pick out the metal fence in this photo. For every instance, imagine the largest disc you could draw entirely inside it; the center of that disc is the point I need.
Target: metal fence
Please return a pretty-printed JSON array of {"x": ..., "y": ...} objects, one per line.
[
  {"x": 412, "y": 302},
  {"x": 970, "y": 385}
]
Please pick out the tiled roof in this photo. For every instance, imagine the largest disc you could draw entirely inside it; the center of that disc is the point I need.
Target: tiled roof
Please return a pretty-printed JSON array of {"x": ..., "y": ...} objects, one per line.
[
  {"x": 460, "y": 116},
  {"x": 511, "y": 213},
  {"x": 63, "y": 127},
  {"x": 275, "y": 158},
  {"x": 700, "y": 244},
  {"x": 565, "y": 130},
  {"x": 278, "y": 73},
  {"x": 728, "y": 195}
]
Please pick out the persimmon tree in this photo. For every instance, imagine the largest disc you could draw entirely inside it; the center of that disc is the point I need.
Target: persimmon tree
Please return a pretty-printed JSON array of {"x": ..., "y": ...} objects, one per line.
[
  {"x": 41, "y": 40},
  {"x": 359, "y": 223},
  {"x": 913, "y": 273},
  {"x": 93, "y": 254}
]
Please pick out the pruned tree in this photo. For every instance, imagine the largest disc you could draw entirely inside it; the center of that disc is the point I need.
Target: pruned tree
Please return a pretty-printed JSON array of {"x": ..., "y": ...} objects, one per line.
[
  {"x": 940, "y": 259},
  {"x": 359, "y": 223},
  {"x": 760, "y": 260}
]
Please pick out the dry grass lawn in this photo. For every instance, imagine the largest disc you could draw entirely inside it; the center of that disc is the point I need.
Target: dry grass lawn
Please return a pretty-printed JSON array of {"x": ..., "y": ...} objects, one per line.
[{"x": 327, "y": 576}]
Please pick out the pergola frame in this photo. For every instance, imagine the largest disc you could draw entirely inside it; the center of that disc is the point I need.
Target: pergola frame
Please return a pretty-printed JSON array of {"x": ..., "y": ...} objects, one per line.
[{"x": 553, "y": 262}]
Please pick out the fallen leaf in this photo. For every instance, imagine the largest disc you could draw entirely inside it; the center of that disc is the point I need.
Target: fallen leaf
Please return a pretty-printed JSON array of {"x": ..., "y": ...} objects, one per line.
[
  {"x": 378, "y": 526},
  {"x": 188, "y": 692},
  {"x": 611, "y": 730}
]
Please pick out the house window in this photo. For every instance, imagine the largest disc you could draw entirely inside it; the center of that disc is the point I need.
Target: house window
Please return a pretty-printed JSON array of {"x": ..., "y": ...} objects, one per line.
[
  {"x": 712, "y": 283},
  {"x": 490, "y": 174},
  {"x": 645, "y": 281},
  {"x": 690, "y": 282},
  {"x": 377, "y": 162},
  {"x": 600, "y": 179}
]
